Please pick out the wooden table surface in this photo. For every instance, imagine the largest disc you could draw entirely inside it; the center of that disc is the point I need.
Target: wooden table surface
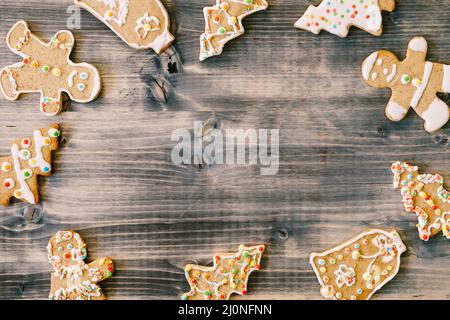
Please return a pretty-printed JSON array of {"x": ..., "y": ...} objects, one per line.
[{"x": 114, "y": 181}]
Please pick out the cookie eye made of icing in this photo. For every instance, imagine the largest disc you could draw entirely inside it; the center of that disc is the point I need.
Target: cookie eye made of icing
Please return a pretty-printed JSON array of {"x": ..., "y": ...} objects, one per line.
[
  {"x": 70, "y": 246},
  {"x": 84, "y": 75},
  {"x": 60, "y": 249}
]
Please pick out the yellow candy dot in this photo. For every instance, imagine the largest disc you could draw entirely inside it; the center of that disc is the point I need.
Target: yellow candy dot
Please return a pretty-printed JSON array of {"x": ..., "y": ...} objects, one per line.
[
  {"x": 147, "y": 26},
  {"x": 35, "y": 64},
  {"x": 56, "y": 72},
  {"x": 367, "y": 276},
  {"x": 225, "y": 6},
  {"x": 17, "y": 194},
  {"x": 422, "y": 194},
  {"x": 233, "y": 286},
  {"x": 110, "y": 13},
  {"x": 323, "y": 269},
  {"x": 389, "y": 268},
  {"x": 233, "y": 20}
]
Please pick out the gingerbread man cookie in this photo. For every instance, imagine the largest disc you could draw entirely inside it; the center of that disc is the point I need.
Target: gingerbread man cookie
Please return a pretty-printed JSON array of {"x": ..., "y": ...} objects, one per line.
[
  {"x": 414, "y": 82},
  {"x": 142, "y": 24},
  {"x": 424, "y": 195},
  {"x": 72, "y": 278},
  {"x": 30, "y": 157},
  {"x": 46, "y": 68},
  {"x": 359, "y": 267},
  {"x": 223, "y": 22},
  {"x": 337, "y": 16},
  {"x": 228, "y": 275}
]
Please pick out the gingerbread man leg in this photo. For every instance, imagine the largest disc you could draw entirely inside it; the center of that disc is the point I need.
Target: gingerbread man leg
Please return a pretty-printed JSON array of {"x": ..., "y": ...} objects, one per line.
[{"x": 436, "y": 116}]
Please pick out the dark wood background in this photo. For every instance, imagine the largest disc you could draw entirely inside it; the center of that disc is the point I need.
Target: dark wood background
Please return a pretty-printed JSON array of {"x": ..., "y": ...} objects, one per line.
[{"x": 114, "y": 181}]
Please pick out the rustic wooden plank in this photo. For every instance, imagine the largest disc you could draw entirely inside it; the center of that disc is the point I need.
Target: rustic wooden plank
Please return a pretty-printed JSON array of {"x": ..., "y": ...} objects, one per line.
[{"x": 115, "y": 183}]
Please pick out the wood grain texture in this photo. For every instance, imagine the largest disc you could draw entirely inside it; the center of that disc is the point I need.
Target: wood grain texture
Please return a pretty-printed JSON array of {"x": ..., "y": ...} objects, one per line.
[{"x": 114, "y": 181}]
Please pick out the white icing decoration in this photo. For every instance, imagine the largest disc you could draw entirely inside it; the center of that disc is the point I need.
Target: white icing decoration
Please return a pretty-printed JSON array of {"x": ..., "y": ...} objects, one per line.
[
  {"x": 25, "y": 175},
  {"x": 345, "y": 275},
  {"x": 395, "y": 112},
  {"x": 379, "y": 62},
  {"x": 386, "y": 71},
  {"x": 147, "y": 24},
  {"x": 368, "y": 65},
  {"x": 327, "y": 292},
  {"x": 436, "y": 116},
  {"x": 24, "y": 154},
  {"x": 11, "y": 183},
  {"x": 53, "y": 133},
  {"x": 418, "y": 44},
  {"x": 375, "y": 19},
  {"x": 25, "y": 143},
  {"x": 70, "y": 78},
  {"x": 6, "y": 166},
  {"x": 368, "y": 18},
  {"x": 38, "y": 160},
  {"x": 84, "y": 75},
  {"x": 122, "y": 11},
  {"x": 420, "y": 90},
  {"x": 446, "y": 80},
  {"x": 11, "y": 80},
  {"x": 25, "y": 189},
  {"x": 374, "y": 76},
  {"x": 405, "y": 79},
  {"x": 391, "y": 77}
]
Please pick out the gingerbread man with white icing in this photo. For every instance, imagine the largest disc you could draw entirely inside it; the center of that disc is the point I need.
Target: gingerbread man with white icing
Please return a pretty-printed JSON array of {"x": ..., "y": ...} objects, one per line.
[
  {"x": 414, "y": 82},
  {"x": 47, "y": 69},
  {"x": 72, "y": 278}
]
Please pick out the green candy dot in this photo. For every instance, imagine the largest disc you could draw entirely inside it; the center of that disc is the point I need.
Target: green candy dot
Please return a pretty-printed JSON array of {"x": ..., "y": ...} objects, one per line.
[
  {"x": 248, "y": 1},
  {"x": 235, "y": 271},
  {"x": 45, "y": 69},
  {"x": 207, "y": 293},
  {"x": 222, "y": 30},
  {"x": 246, "y": 254}
]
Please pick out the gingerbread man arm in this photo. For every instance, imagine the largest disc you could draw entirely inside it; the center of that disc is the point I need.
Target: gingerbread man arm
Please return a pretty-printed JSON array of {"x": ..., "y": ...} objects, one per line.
[
  {"x": 417, "y": 49},
  {"x": 395, "y": 111},
  {"x": 101, "y": 269}
]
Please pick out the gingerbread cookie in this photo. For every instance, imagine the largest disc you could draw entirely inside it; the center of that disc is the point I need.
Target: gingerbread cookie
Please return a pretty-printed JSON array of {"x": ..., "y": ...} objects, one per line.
[
  {"x": 72, "y": 278},
  {"x": 414, "y": 83},
  {"x": 424, "y": 195},
  {"x": 337, "y": 16},
  {"x": 30, "y": 157},
  {"x": 223, "y": 22},
  {"x": 361, "y": 266},
  {"x": 142, "y": 24},
  {"x": 228, "y": 275},
  {"x": 46, "y": 68}
]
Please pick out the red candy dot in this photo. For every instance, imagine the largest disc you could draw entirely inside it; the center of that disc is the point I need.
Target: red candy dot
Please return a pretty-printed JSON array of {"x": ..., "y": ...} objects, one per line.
[
  {"x": 67, "y": 256},
  {"x": 7, "y": 184},
  {"x": 258, "y": 267},
  {"x": 222, "y": 297},
  {"x": 244, "y": 292},
  {"x": 261, "y": 249},
  {"x": 25, "y": 60}
]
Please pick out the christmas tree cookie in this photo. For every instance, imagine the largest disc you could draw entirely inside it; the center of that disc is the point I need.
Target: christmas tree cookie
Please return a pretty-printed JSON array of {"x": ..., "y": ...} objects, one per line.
[
  {"x": 228, "y": 275},
  {"x": 424, "y": 195},
  {"x": 359, "y": 267},
  {"x": 223, "y": 22},
  {"x": 337, "y": 16},
  {"x": 72, "y": 278},
  {"x": 47, "y": 69},
  {"x": 414, "y": 83},
  {"x": 30, "y": 157},
  {"x": 142, "y": 24}
]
